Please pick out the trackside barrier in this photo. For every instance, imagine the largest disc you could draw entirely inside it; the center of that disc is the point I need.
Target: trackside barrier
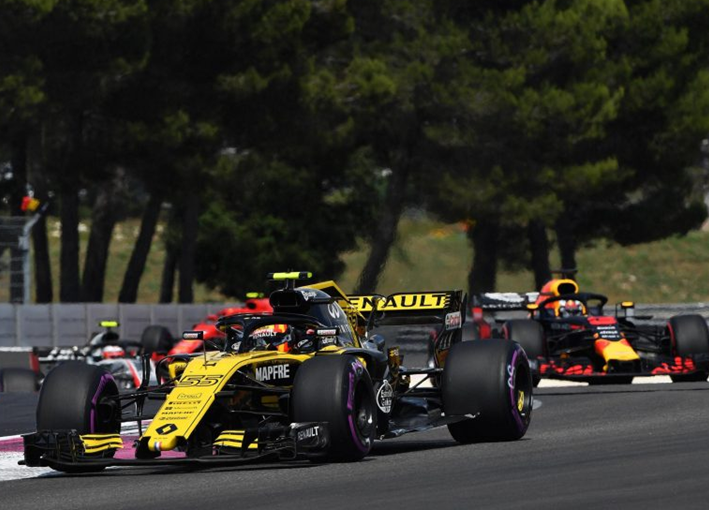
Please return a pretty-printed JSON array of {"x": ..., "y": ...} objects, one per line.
[{"x": 61, "y": 325}]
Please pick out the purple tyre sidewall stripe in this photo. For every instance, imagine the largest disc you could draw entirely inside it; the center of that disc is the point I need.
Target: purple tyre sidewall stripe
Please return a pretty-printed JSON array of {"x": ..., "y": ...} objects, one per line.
[
  {"x": 350, "y": 416},
  {"x": 105, "y": 379},
  {"x": 513, "y": 400}
]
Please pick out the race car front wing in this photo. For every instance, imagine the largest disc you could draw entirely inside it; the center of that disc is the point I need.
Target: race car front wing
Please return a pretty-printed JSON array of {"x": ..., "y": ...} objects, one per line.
[{"x": 68, "y": 450}]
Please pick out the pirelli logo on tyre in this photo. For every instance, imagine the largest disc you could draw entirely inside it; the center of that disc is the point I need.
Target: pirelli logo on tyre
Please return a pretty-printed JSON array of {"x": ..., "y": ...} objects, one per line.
[{"x": 402, "y": 302}]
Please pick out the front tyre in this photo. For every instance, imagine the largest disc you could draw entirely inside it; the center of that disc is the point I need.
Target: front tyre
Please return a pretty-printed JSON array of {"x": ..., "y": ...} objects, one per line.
[
  {"x": 81, "y": 397},
  {"x": 491, "y": 381},
  {"x": 156, "y": 339},
  {"x": 530, "y": 335},
  {"x": 337, "y": 390},
  {"x": 690, "y": 336}
]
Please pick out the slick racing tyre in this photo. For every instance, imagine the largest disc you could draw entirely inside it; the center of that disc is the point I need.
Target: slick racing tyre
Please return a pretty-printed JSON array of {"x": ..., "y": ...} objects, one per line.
[
  {"x": 530, "y": 335},
  {"x": 689, "y": 335},
  {"x": 156, "y": 339},
  {"x": 81, "y": 397},
  {"x": 18, "y": 380},
  {"x": 491, "y": 382},
  {"x": 337, "y": 390}
]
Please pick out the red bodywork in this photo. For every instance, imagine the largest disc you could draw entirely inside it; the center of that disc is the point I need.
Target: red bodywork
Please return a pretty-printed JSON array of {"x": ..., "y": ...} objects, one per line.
[{"x": 256, "y": 305}]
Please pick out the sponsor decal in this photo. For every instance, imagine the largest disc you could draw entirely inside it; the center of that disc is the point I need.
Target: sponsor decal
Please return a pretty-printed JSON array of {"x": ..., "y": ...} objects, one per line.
[
  {"x": 308, "y": 433},
  {"x": 166, "y": 429},
  {"x": 334, "y": 310},
  {"x": 453, "y": 320},
  {"x": 272, "y": 372},
  {"x": 328, "y": 340},
  {"x": 308, "y": 294},
  {"x": 326, "y": 332},
  {"x": 235, "y": 346},
  {"x": 200, "y": 380},
  {"x": 270, "y": 331},
  {"x": 412, "y": 301},
  {"x": 511, "y": 378},
  {"x": 609, "y": 332},
  {"x": 358, "y": 367},
  {"x": 385, "y": 397},
  {"x": 306, "y": 343}
]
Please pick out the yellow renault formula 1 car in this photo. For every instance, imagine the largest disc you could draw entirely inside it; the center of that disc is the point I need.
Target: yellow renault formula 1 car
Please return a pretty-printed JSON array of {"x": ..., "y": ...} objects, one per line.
[{"x": 305, "y": 381}]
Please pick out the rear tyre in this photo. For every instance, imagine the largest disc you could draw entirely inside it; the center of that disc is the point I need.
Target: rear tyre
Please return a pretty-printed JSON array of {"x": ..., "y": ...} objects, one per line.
[
  {"x": 81, "y": 397},
  {"x": 337, "y": 390},
  {"x": 689, "y": 335},
  {"x": 18, "y": 380},
  {"x": 156, "y": 339},
  {"x": 530, "y": 335},
  {"x": 491, "y": 381}
]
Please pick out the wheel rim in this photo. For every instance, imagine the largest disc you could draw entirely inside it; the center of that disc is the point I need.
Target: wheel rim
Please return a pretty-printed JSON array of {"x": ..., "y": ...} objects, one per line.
[
  {"x": 523, "y": 392},
  {"x": 363, "y": 413}
]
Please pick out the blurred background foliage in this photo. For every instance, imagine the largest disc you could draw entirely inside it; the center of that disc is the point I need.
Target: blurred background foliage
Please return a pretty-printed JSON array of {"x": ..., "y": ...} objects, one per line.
[{"x": 234, "y": 138}]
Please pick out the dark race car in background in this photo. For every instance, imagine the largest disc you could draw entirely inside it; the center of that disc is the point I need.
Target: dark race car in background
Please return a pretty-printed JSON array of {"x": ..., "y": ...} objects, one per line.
[
  {"x": 568, "y": 335},
  {"x": 24, "y": 369}
]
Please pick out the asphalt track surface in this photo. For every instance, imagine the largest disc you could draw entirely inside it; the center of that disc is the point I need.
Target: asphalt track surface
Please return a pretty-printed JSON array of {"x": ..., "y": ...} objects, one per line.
[{"x": 639, "y": 446}]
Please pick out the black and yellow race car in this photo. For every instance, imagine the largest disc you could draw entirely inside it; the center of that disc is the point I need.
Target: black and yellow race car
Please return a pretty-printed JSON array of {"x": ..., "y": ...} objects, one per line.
[
  {"x": 306, "y": 380},
  {"x": 568, "y": 335}
]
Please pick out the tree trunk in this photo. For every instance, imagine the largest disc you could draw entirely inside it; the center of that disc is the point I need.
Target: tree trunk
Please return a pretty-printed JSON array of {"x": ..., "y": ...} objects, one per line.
[
  {"x": 104, "y": 216},
  {"x": 136, "y": 265},
  {"x": 19, "y": 172},
  {"x": 539, "y": 247},
  {"x": 483, "y": 273},
  {"x": 188, "y": 249},
  {"x": 69, "y": 183},
  {"x": 385, "y": 234},
  {"x": 167, "y": 282},
  {"x": 566, "y": 239},
  {"x": 42, "y": 264}
]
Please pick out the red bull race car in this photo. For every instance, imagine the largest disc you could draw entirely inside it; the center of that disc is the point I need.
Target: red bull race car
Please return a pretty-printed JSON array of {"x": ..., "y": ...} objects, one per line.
[
  {"x": 305, "y": 381},
  {"x": 568, "y": 335}
]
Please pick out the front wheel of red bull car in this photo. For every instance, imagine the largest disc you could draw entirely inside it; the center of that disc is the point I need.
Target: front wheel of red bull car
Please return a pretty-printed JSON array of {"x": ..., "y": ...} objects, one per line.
[{"x": 689, "y": 336}]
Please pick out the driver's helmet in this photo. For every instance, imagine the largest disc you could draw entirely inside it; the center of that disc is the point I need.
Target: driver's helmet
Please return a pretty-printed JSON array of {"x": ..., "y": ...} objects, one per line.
[
  {"x": 571, "y": 308},
  {"x": 276, "y": 337},
  {"x": 320, "y": 306},
  {"x": 112, "y": 352}
]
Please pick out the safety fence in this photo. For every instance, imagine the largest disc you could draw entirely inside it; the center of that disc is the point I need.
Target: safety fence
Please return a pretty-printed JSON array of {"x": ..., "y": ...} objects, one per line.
[
  {"x": 73, "y": 324},
  {"x": 59, "y": 325}
]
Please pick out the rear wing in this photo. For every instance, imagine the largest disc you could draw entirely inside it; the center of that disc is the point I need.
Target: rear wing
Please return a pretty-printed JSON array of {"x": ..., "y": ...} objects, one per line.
[
  {"x": 445, "y": 307},
  {"x": 496, "y": 301},
  {"x": 431, "y": 307}
]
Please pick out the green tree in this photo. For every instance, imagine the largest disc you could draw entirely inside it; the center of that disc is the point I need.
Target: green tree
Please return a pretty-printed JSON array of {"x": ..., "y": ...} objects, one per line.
[{"x": 522, "y": 114}]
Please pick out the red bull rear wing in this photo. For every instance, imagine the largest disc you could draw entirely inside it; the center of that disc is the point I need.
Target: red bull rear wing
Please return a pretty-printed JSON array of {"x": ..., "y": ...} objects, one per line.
[{"x": 495, "y": 301}]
